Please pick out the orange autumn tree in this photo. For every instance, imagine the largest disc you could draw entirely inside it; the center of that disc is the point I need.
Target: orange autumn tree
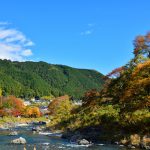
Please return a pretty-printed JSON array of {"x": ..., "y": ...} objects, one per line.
[
  {"x": 32, "y": 112},
  {"x": 11, "y": 106},
  {"x": 16, "y": 102},
  {"x": 138, "y": 89},
  {"x": 90, "y": 98},
  {"x": 142, "y": 45},
  {"x": 129, "y": 89},
  {"x": 123, "y": 85},
  {"x": 135, "y": 99}
]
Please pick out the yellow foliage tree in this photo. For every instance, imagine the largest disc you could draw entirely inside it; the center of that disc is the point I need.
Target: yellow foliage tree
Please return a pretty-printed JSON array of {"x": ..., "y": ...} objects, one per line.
[
  {"x": 60, "y": 107},
  {"x": 33, "y": 112},
  {"x": 0, "y": 92}
]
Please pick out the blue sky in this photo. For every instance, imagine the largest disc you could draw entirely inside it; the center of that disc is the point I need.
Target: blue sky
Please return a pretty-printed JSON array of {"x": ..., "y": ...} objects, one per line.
[{"x": 93, "y": 34}]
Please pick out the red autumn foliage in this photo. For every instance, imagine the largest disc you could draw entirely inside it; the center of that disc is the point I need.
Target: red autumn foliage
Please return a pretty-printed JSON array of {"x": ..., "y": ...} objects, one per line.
[
  {"x": 16, "y": 112},
  {"x": 11, "y": 106},
  {"x": 16, "y": 102},
  {"x": 2, "y": 113},
  {"x": 142, "y": 45},
  {"x": 90, "y": 96}
]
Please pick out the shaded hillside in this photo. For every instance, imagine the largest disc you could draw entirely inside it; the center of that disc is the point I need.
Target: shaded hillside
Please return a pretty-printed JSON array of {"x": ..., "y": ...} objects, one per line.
[{"x": 29, "y": 79}]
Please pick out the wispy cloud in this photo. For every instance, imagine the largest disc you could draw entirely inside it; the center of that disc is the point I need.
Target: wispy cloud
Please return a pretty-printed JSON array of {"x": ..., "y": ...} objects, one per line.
[
  {"x": 14, "y": 45},
  {"x": 4, "y": 23},
  {"x": 91, "y": 24},
  {"x": 89, "y": 30}
]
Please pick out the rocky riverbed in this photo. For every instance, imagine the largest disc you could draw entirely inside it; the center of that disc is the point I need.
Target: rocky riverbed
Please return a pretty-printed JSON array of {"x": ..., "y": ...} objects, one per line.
[
  {"x": 88, "y": 136},
  {"x": 46, "y": 140}
]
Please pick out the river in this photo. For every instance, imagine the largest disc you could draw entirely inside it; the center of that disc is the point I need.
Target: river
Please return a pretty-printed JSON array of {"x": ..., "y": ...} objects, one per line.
[{"x": 43, "y": 142}]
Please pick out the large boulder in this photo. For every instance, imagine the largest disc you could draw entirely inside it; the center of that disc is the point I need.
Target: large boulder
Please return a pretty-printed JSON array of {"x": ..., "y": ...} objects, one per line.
[
  {"x": 135, "y": 140},
  {"x": 19, "y": 141},
  {"x": 83, "y": 142}
]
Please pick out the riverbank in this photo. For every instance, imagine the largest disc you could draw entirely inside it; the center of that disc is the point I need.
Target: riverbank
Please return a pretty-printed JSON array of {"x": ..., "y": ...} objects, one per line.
[
  {"x": 97, "y": 135},
  {"x": 88, "y": 137},
  {"x": 9, "y": 122}
]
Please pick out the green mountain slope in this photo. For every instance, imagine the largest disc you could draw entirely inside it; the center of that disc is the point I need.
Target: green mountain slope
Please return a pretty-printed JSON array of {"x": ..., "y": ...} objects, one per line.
[{"x": 28, "y": 79}]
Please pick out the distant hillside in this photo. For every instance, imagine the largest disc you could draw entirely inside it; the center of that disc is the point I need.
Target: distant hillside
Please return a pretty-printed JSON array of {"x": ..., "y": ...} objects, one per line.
[{"x": 28, "y": 79}]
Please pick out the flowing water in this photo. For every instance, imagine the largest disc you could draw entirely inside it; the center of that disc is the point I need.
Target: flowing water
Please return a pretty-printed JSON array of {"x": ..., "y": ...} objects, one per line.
[{"x": 43, "y": 142}]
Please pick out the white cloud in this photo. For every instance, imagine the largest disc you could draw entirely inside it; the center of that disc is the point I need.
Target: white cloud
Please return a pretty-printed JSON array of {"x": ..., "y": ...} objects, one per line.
[
  {"x": 4, "y": 23},
  {"x": 87, "y": 32},
  {"x": 91, "y": 24},
  {"x": 13, "y": 43},
  {"x": 90, "y": 28}
]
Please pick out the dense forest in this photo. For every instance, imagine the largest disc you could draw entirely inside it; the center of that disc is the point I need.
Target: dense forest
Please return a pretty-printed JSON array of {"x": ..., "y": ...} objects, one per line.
[
  {"x": 120, "y": 111},
  {"x": 30, "y": 79}
]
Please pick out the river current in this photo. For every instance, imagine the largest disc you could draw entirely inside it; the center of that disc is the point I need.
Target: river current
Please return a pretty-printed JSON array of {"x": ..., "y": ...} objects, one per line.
[{"x": 43, "y": 142}]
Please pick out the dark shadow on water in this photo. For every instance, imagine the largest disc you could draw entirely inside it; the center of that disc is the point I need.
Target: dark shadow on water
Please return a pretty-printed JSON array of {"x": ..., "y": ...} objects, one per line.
[{"x": 43, "y": 142}]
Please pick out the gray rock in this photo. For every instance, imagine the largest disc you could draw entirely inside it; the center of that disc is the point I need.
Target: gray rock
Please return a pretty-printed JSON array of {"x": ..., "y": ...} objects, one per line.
[
  {"x": 117, "y": 143},
  {"x": 83, "y": 142},
  {"x": 19, "y": 141},
  {"x": 131, "y": 146},
  {"x": 145, "y": 144},
  {"x": 14, "y": 133},
  {"x": 147, "y": 147},
  {"x": 37, "y": 129}
]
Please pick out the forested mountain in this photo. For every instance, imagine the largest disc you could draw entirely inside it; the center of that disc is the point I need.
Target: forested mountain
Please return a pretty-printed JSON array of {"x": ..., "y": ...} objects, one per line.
[{"x": 29, "y": 79}]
